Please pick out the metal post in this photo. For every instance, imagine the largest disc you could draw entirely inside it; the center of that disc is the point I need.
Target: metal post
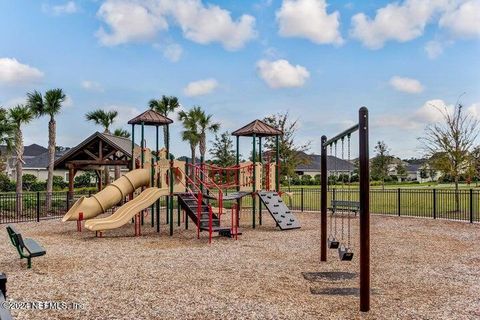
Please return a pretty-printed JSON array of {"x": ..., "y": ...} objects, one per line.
[
  {"x": 238, "y": 172},
  {"x": 254, "y": 203},
  {"x": 301, "y": 199},
  {"x": 261, "y": 176},
  {"x": 171, "y": 195},
  {"x": 133, "y": 146},
  {"x": 277, "y": 163},
  {"x": 167, "y": 146},
  {"x": 471, "y": 205},
  {"x": 152, "y": 184},
  {"x": 143, "y": 144},
  {"x": 364, "y": 210},
  {"x": 323, "y": 201},
  {"x": 398, "y": 201},
  {"x": 38, "y": 206},
  {"x": 157, "y": 203},
  {"x": 434, "y": 203}
]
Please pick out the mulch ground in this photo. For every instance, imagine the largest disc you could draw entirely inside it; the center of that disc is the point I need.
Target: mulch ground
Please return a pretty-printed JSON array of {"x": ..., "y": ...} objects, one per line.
[{"x": 421, "y": 269}]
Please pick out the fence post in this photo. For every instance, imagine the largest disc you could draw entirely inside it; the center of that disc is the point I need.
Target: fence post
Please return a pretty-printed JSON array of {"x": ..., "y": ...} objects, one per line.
[
  {"x": 68, "y": 200},
  {"x": 302, "y": 195},
  {"x": 38, "y": 206},
  {"x": 434, "y": 203},
  {"x": 398, "y": 201},
  {"x": 333, "y": 194},
  {"x": 471, "y": 205}
]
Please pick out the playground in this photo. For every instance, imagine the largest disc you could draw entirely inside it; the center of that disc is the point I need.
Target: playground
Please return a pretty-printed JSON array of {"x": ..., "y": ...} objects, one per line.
[
  {"x": 167, "y": 241},
  {"x": 422, "y": 269}
]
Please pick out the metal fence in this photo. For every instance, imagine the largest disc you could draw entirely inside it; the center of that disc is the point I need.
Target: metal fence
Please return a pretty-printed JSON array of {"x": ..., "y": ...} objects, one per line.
[
  {"x": 463, "y": 205},
  {"x": 32, "y": 206}
]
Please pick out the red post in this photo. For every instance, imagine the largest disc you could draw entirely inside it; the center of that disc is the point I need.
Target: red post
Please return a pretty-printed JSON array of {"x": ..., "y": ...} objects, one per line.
[{"x": 79, "y": 222}]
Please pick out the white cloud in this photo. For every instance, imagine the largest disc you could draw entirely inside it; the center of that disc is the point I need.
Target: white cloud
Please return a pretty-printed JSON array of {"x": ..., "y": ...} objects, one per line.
[
  {"x": 92, "y": 86},
  {"x": 433, "y": 49},
  {"x": 200, "y": 87},
  {"x": 309, "y": 19},
  {"x": 66, "y": 8},
  {"x": 207, "y": 24},
  {"x": 407, "y": 85},
  {"x": 130, "y": 20},
  {"x": 173, "y": 51},
  {"x": 12, "y": 72},
  {"x": 474, "y": 109},
  {"x": 464, "y": 20},
  {"x": 431, "y": 111},
  {"x": 396, "y": 21},
  {"x": 282, "y": 74}
]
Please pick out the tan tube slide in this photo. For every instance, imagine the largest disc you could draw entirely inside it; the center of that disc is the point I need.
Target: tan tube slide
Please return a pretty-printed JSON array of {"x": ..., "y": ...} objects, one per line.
[
  {"x": 126, "y": 212},
  {"x": 110, "y": 196}
]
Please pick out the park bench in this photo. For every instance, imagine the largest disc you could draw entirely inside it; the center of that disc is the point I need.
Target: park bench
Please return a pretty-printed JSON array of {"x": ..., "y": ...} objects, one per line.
[
  {"x": 342, "y": 205},
  {"x": 27, "y": 248}
]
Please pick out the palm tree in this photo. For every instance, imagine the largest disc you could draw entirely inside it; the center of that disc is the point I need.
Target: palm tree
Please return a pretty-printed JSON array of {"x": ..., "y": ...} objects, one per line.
[
  {"x": 190, "y": 132},
  {"x": 103, "y": 118},
  {"x": 6, "y": 130},
  {"x": 164, "y": 106},
  {"x": 19, "y": 115},
  {"x": 119, "y": 132},
  {"x": 204, "y": 124},
  {"x": 48, "y": 105}
]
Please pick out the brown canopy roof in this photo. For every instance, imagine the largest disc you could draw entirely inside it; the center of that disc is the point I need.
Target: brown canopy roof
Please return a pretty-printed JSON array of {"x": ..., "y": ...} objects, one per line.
[
  {"x": 117, "y": 150},
  {"x": 259, "y": 128},
  {"x": 151, "y": 118}
]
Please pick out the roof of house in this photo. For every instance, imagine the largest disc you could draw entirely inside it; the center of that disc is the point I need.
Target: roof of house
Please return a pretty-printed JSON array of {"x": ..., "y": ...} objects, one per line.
[
  {"x": 414, "y": 167},
  {"x": 151, "y": 118},
  {"x": 40, "y": 161},
  {"x": 333, "y": 164},
  {"x": 259, "y": 128},
  {"x": 29, "y": 151}
]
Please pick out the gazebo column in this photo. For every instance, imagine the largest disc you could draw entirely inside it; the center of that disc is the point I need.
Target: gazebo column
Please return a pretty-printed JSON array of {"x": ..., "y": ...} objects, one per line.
[
  {"x": 254, "y": 189},
  {"x": 261, "y": 178}
]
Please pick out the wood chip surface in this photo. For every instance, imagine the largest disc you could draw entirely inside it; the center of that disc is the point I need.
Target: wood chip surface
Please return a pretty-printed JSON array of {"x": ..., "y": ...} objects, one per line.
[{"x": 421, "y": 269}]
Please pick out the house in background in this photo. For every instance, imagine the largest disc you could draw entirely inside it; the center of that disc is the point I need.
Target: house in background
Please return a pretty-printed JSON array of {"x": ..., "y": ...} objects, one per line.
[
  {"x": 335, "y": 166},
  {"x": 36, "y": 162}
]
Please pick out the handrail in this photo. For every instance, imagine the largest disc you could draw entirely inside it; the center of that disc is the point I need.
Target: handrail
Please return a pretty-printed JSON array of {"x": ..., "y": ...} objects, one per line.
[
  {"x": 198, "y": 197},
  {"x": 197, "y": 171}
]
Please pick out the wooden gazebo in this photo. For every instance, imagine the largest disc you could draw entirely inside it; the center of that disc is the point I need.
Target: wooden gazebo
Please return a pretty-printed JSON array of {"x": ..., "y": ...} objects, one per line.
[
  {"x": 259, "y": 129},
  {"x": 93, "y": 153}
]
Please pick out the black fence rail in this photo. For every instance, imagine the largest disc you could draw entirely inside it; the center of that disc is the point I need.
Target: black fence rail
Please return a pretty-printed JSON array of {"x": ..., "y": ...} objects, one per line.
[
  {"x": 463, "y": 205},
  {"x": 35, "y": 206}
]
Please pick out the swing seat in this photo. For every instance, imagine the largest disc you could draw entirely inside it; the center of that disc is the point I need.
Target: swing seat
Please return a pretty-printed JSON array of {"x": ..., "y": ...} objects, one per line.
[
  {"x": 333, "y": 243},
  {"x": 345, "y": 254}
]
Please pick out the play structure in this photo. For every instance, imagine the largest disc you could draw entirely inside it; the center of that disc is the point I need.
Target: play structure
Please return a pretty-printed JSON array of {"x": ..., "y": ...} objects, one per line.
[
  {"x": 347, "y": 208},
  {"x": 201, "y": 190}
]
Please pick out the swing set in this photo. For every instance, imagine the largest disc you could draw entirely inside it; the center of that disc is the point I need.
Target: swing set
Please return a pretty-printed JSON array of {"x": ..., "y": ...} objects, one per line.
[{"x": 344, "y": 209}]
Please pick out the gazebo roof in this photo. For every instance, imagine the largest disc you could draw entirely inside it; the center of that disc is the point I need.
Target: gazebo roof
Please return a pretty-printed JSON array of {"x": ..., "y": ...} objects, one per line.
[
  {"x": 258, "y": 128},
  {"x": 151, "y": 118},
  {"x": 98, "y": 149}
]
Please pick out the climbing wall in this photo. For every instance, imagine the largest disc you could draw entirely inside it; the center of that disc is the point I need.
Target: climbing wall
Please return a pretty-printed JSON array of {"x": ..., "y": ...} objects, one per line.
[{"x": 279, "y": 211}]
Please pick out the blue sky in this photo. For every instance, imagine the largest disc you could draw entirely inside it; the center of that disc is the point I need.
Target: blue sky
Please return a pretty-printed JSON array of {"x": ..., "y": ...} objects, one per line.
[{"x": 242, "y": 60}]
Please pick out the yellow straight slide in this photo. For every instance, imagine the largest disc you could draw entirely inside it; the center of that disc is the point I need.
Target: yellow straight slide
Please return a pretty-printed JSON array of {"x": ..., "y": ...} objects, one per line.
[
  {"x": 126, "y": 212},
  {"x": 109, "y": 196}
]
